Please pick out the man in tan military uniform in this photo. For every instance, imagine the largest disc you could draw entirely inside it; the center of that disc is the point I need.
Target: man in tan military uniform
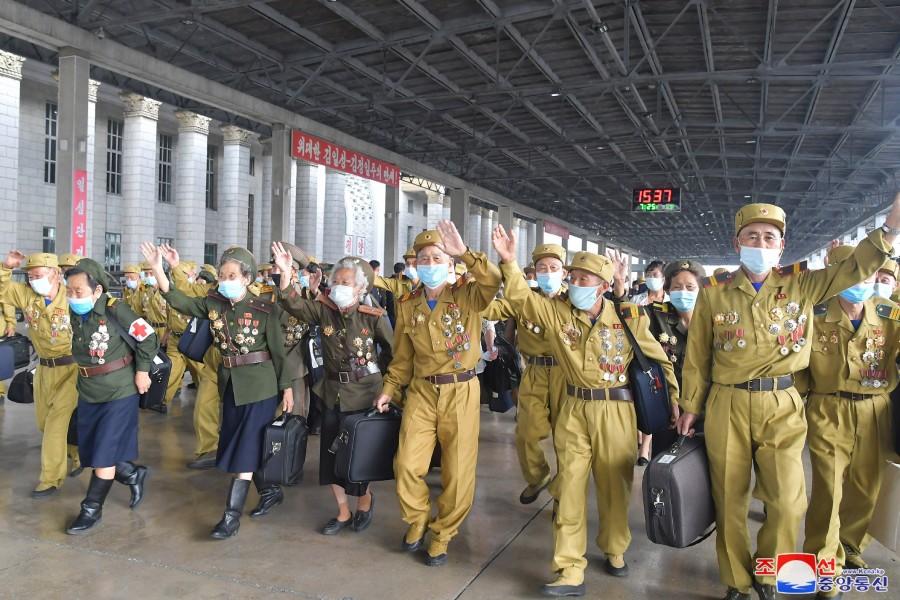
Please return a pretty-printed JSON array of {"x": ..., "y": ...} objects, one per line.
[
  {"x": 46, "y": 312},
  {"x": 886, "y": 283},
  {"x": 67, "y": 261},
  {"x": 749, "y": 335},
  {"x": 596, "y": 426},
  {"x": 403, "y": 283},
  {"x": 436, "y": 348},
  {"x": 543, "y": 383},
  {"x": 855, "y": 345},
  {"x": 132, "y": 275}
]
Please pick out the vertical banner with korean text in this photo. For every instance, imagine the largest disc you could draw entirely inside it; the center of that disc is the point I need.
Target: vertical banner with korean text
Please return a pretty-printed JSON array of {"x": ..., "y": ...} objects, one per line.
[{"x": 79, "y": 213}]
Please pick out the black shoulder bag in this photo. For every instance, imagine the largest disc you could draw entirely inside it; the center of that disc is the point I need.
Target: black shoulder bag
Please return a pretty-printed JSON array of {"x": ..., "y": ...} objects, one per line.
[{"x": 648, "y": 387}]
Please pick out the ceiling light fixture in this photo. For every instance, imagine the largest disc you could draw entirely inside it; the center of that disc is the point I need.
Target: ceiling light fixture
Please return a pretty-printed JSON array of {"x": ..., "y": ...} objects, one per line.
[
  {"x": 100, "y": 33},
  {"x": 750, "y": 142}
]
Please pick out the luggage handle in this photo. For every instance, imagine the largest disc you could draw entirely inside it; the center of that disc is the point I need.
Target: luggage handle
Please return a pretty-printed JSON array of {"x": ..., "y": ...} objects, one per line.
[{"x": 391, "y": 409}]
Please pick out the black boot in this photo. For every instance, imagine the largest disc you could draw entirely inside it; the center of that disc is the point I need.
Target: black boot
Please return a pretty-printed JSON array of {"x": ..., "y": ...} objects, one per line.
[
  {"x": 234, "y": 507},
  {"x": 92, "y": 506},
  {"x": 270, "y": 496},
  {"x": 133, "y": 476}
]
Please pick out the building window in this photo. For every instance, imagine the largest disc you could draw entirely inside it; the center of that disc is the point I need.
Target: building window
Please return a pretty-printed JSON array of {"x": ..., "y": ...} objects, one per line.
[
  {"x": 112, "y": 252},
  {"x": 168, "y": 241},
  {"x": 114, "y": 131},
  {"x": 211, "y": 177},
  {"x": 49, "y": 241},
  {"x": 164, "y": 179},
  {"x": 250, "y": 203},
  {"x": 210, "y": 253},
  {"x": 425, "y": 209},
  {"x": 410, "y": 207},
  {"x": 253, "y": 165},
  {"x": 50, "y": 123}
]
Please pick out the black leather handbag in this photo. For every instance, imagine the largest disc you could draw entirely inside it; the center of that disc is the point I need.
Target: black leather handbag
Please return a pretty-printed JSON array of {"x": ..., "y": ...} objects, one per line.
[
  {"x": 648, "y": 387},
  {"x": 365, "y": 447},
  {"x": 21, "y": 388},
  {"x": 284, "y": 450},
  {"x": 160, "y": 371},
  {"x": 196, "y": 339}
]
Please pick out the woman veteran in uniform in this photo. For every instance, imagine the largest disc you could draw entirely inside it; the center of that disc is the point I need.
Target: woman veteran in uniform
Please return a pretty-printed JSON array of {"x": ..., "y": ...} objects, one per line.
[
  {"x": 436, "y": 348},
  {"x": 357, "y": 343},
  {"x": 110, "y": 377},
  {"x": 247, "y": 333}
]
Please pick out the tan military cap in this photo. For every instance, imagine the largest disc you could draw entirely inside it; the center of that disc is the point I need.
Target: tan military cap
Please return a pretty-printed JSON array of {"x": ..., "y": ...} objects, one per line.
[
  {"x": 461, "y": 269},
  {"x": 759, "y": 213},
  {"x": 528, "y": 269},
  {"x": 839, "y": 254},
  {"x": 41, "y": 259},
  {"x": 240, "y": 254},
  {"x": 548, "y": 250},
  {"x": 145, "y": 266},
  {"x": 593, "y": 263},
  {"x": 190, "y": 264},
  {"x": 265, "y": 267},
  {"x": 890, "y": 266},
  {"x": 300, "y": 258},
  {"x": 409, "y": 254},
  {"x": 69, "y": 259},
  {"x": 427, "y": 238},
  {"x": 136, "y": 269},
  {"x": 720, "y": 270},
  {"x": 677, "y": 266},
  {"x": 208, "y": 273},
  {"x": 363, "y": 264}
]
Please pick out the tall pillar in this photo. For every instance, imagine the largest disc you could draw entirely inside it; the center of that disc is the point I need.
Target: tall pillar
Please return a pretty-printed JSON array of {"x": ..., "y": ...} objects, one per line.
[
  {"x": 458, "y": 211},
  {"x": 336, "y": 224},
  {"x": 234, "y": 201},
  {"x": 532, "y": 235},
  {"x": 446, "y": 212},
  {"x": 393, "y": 242},
  {"x": 435, "y": 209},
  {"x": 487, "y": 227},
  {"x": 93, "y": 87},
  {"x": 538, "y": 237},
  {"x": 505, "y": 217},
  {"x": 265, "y": 201},
  {"x": 10, "y": 86},
  {"x": 473, "y": 234},
  {"x": 72, "y": 138},
  {"x": 282, "y": 182},
  {"x": 309, "y": 226},
  {"x": 139, "y": 155},
  {"x": 190, "y": 184}
]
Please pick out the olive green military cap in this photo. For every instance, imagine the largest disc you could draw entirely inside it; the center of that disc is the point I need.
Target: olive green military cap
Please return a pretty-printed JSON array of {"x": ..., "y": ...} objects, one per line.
[
  {"x": 69, "y": 260},
  {"x": 135, "y": 269},
  {"x": 427, "y": 238},
  {"x": 759, "y": 213},
  {"x": 94, "y": 269},
  {"x": 548, "y": 250},
  {"x": 208, "y": 273},
  {"x": 240, "y": 254},
  {"x": 593, "y": 263},
  {"x": 720, "y": 270},
  {"x": 409, "y": 254},
  {"x": 41, "y": 259},
  {"x": 363, "y": 264},
  {"x": 684, "y": 265},
  {"x": 839, "y": 254},
  {"x": 265, "y": 267},
  {"x": 300, "y": 258}
]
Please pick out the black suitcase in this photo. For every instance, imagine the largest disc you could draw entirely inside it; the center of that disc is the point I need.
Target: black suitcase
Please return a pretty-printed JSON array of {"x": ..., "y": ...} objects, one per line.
[
  {"x": 21, "y": 388},
  {"x": 21, "y": 347},
  {"x": 160, "y": 371},
  {"x": 678, "y": 504},
  {"x": 284, "y": 450},
  {"x": 196, "y": 339},
  {"x": 365, "y": 447}
]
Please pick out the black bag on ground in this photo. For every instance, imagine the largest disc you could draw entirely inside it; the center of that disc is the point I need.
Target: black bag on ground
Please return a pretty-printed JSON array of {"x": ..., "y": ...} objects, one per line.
[
  {"x": 365, "y": 447},
  {"x": 678, "y": 504},
  {"x": 648, "y": 388},
  {"x": 284, "y": 450},
  {"x": 21, "y": 388},
  {"x": 21, "y": 347},
  {"x": 196, "y": 339},
  {"x": 160, "y": 370}
]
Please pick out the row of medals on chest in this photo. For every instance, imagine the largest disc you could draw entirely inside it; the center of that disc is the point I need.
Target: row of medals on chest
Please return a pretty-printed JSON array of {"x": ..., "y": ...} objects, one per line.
[
  {"x": 99, "y": 344},
  {"x": 293, "y": 331},
  {"x": 613, "y": 367},
  {"x": 871, "y": 376},
  {"x": 59, "y": 321},
  {"x": 364, "y": 348},
  {"x": 454, "y": 331},
  {"x": 788, "y": 331},
  {"x": 247, "y": 328}
]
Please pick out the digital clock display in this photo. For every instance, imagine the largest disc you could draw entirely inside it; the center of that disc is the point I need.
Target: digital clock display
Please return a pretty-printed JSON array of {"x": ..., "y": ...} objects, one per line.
[{"x": 656, "y": 200}]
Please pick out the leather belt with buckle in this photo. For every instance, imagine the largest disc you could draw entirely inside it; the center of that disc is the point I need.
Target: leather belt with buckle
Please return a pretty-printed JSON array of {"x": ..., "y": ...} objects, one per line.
[
  {"x": 451, "y": 378},
  {"x": 57, "y": 362},
  {"x": 347, "y": 376},
  {"x": 109, "y": 367},
  {"x": 542, "y": 361},
  {"x": 854, "y": 396},
  {"x": 765, "y": 384},
  {"x": 612, "y": 393},
  {"x": 245, "y": 359}
]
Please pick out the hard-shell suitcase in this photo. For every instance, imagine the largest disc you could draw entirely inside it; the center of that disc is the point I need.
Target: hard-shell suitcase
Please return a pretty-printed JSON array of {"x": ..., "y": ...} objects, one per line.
[
  {"x": 365, "y": 447},
  {"x": 678, "y": 504},
  {"x": 196, "y": 339},
  {"x": 21, "y": 347},
  {"x": 284, "y": 450}
]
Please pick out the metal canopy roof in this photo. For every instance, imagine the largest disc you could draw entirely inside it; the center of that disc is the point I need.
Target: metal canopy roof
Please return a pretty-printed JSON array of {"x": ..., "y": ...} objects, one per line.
[{"x": 566, "y": 105}]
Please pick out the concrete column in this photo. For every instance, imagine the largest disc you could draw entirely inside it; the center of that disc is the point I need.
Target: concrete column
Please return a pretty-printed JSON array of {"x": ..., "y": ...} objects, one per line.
[
  {"x": 265, "y": 201},
  {"x": 457, "y": 208},
  {"x": 140, "y": 150},
  {"x": 234, "y": 216},
  {"x": 190, "y": 184},
  {"x": 435, "y": 209},
  {"x": 310, "y": 232},
  {"x": 531, "y": 228},
  {"x": 336, "y": 224},
  {"x": 282, "y": 182},
  {"x": 446, "y": 212},
  {"x": 72, "y": 138},
  {"x": 10, "y": 87},
  {"x": 93, "y": 87},
  {"x": 505, "y": 217},
  {"x": 522, "y": 246},
  {"x": 393, "y": 237},
  {"x": 538, "y": 237},
  {"x": 473, "y": 233},
  {"x": 488, "y": 222}
]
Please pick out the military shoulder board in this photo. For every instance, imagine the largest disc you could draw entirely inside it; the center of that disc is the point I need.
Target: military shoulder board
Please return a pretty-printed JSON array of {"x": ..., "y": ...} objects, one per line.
[
  {"x": 792, "y": 269},
  {"x": 410, "y": 295},
  {"x": 662, "y": 307},
  {"x": 888, "y": 311},
  {"x": 820, "y": 310},
  {"x": 111, "y": 301},
  {"x": 716, "y": 279},
  {"x": 460, "y": 281},
  {"x": 370, "y": 310},
  {"x": 630, "y": 311},
  {"x": 261, "y": 305}
]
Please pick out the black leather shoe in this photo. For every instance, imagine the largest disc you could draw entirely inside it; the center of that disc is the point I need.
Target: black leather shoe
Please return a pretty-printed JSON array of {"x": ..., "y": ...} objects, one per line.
[
  {"x": 77, "y": 469},
  {"x": 363, "y": 518},
  {"x": 765, "y": 591},
  {"x": 90, "y": 515},
  {"x": 207, "y": 460},
  {"x": 269, "y": 498},
  {"x": 414, "y": 530},
  {"x": 734, "y": 594},
  {"x": 160, "y": 408},
  {"x": 228, "y": 526},
  {"x": 560, "y": 588},
  {"x": 38, "y": 494},
  {"x": 334, "y": 527},
  {"x": 617, "y": 571},
  {"x": 133, "y": 476},
  {"x": 531, "y": 493}
]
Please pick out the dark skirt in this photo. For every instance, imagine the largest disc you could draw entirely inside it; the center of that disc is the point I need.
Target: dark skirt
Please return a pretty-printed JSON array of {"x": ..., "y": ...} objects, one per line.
[
  {"x": 108, "y": 431},
  {"x": 241, "y": 434},
  {"x": 331, "y": 426}
]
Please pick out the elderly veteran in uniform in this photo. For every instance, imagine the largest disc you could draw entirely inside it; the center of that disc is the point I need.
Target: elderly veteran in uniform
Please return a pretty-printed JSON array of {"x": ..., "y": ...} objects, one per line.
[
  {"x": 749, "y": 334},
  {"x": 596, "y": 426},
  {"x": 67, "y": 261},
  {"x": 43, "y": 304},
  {"x": 436, "y": 348},
  {"x": 132, "y": 276},
  {"x": 110, "y": 378},
  {"x": 855, "y": 346},
  {"x": 542, "y": 386},
  {"x": 886, "y": 283},
  {"x": 251, "y": 377},
  {"x": 405, "y": 282},
  {"x": 357, "y": 342}
]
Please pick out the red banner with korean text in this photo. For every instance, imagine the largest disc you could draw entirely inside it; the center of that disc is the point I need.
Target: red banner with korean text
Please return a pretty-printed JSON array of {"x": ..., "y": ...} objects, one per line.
[
  {"x": 320, "y": 152},
  {"x": 557, "y": 230},
  {"x": 79, "y": 213}
]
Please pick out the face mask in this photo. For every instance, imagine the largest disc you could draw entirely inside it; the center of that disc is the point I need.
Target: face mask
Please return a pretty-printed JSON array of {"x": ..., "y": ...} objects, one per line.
[
  {"x": 583, "y": 298},
  {"x": 304, "y": 281},
  {"x": 192, "y": 279},
  {"x": 858, "y": 293},
  {"x": 342, "y": 295},
  {"x": 41, "y": 286},
  {"x": 143, "y": 276},
  {"x": 684, "y": 300},
  {"x": 411, "y": 272},
  {"x": 259, "y": 280},
  {"x": 760, "y": 260},
  {"x": 150, "y": 280},
  {"x": 131, "y": 284},
  {"x": 550, "y": 282},
  {"x": 533, "y": 284},
  {"x": 231, "y": 288},
  {"x": 81, "y": 306},
  {"x": 433, "y": 275},
  {"x": 654, "y": 284},
  {"x": 883, "y": 290}
]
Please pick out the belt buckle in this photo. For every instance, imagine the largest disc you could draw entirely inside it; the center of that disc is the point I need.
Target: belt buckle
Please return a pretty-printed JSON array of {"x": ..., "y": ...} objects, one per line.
[
  {"x": 83, "y": 371},
  {"x": 227, "y": 361},
  {"x": 343, "y": 377}
]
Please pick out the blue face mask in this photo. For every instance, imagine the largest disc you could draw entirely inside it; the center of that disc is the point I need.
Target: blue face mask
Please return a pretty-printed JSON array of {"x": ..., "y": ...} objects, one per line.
[
  {"x": 858, "y": 293},
  {"x": 684, "y": 300},
  {"x": 411, "y": 272},
  {"x": 150, "y": 280},
  {"x": 304, "y": 281},
  {"x": 81, "y": 306},
  {"x": 583, "y": 298},
  {"x": 231, "y": 288},
  {"x": 433, "y": 275},
  {"x": 654, "y": 284},
  {"x": 550, "y": 282},
  {"x": 132, "y": 284},
  {"x": 760, "y": 260},
  {"x": 883, "y": 290}
]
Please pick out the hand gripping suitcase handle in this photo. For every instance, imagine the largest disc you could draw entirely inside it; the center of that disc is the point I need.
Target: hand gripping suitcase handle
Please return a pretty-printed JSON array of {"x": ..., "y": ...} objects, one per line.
[{"x": 391, "y": 409}]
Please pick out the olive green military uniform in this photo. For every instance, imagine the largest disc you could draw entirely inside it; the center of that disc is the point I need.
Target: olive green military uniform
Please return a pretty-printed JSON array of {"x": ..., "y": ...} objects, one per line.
[
  {"x": 55, "y": 396},
  {"x": 852, "y": 372},
  {"x": 669, "y": 331},
  {"x": 590, "y": 436},
  {"x": 443, "y": 341},
  {"x": 739, "y": 335}
]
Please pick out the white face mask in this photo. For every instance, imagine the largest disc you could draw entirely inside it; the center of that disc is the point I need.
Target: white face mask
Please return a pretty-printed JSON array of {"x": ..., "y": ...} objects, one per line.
[
  {"x": 41, "y": 286},
  {"x": 654, "y": 284},
  {"x": 342, "y": 295},
  {"x": 532, "y": 283},
  {"x": 760, "y": 260},
  {"x": 883, "y": 290}
]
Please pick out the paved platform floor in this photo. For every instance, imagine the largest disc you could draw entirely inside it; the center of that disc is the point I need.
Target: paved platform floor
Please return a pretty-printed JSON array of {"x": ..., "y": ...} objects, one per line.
[{"x": 163, "y": 550}]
